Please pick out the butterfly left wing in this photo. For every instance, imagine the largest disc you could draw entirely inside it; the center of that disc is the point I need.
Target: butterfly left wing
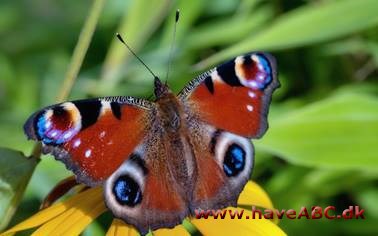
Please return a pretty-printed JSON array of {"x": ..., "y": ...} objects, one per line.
[
  {"x": 93, "y": 137},
  {"x": 150, "y": 189},
  {"x": 234, "y": 96}
]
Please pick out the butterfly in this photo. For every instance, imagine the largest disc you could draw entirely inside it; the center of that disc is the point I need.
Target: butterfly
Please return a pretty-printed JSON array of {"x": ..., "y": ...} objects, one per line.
[{"x": 158, "y": 161}]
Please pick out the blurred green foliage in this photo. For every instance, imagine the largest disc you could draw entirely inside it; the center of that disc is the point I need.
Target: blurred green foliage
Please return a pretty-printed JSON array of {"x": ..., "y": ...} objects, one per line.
[
  {"x": 15, "y": 173},
  {"x": 321, "y": 148}
]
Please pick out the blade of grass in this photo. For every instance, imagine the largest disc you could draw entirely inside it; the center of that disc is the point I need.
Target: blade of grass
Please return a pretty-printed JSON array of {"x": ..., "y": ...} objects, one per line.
[
  {"x": 73, "y": 69},
  {"x": 190, "y": 11},
  {"x": 77, "y": 58},
  {"x": 228, "y": 30},
  {"x": 339, "y": 132},
  {"x": 139, "y": 22},
  {"x": 81, "y": 49},
  {"x": 306, "y": 25}
]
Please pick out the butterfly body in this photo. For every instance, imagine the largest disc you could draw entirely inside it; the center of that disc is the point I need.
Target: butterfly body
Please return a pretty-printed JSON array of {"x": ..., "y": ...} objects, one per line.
[{"x": 160, "y": 161}]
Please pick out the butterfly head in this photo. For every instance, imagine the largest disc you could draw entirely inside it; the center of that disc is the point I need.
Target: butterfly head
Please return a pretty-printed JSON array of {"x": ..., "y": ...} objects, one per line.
[{"x": 160, "y": 89}]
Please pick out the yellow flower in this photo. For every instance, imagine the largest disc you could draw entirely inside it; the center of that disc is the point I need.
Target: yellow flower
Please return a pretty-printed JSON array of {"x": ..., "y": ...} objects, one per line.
[{"x": 72, "y": 216}]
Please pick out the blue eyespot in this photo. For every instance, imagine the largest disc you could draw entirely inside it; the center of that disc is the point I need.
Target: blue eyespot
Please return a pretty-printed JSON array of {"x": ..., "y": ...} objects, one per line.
[
  {"x": 127, "y": 191},
  {"x": 267, "y": 69},
  {"x": 41, "y": 130},
  {"x": 234, "y": 160},
  {"x": 265, "y": 64},
  {"x": 46, "y": 127}
]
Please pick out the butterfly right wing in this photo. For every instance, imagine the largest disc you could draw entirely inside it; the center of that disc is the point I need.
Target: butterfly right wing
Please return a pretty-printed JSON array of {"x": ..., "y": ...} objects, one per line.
[
  {"x": 225, "y": 107},
  {"x": 224, "y": 163},
  {"x": 235, "y": 96}
]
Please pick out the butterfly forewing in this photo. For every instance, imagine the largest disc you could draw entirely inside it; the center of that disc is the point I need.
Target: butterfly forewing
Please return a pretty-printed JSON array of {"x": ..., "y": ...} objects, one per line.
[
  {"x": 235, "y": 96},
  {"x": 92, "y": 137}
]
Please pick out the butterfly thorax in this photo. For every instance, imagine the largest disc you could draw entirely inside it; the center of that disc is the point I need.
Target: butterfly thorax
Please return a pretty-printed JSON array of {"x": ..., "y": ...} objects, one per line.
[
  {"x": 160, "y": 89},
  {"x": 169, "y": 109},
  {"x": 169, "y": 113}
]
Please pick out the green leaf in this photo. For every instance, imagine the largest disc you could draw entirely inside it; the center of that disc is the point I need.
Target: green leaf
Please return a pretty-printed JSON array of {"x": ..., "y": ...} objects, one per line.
[
  {"x": 306, "y": 25},
  {"x": 339, "y": 132},
  {"x": 368, "y": 197},
  {"x": 228, "y": 30},
  {"x": 15, "y": 172},
  {"x": 141, "y": 19},
  {"x": 190, "y": 11}
]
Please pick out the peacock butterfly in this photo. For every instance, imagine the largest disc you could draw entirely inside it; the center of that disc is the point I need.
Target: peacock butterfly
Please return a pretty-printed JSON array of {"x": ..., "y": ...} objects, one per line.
[{"x": 158, "y": 161}]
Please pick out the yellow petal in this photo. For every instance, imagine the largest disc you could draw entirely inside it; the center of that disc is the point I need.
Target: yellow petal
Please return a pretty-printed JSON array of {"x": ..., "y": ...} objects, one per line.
[
  {"x": 51, "y": 225},
  {"x": 85, "y": 220},
  {"x": 119, "y": 228},
  {"x": 111, "y": 230},
  {"x": 178, "y": 230},
  {"x": 254, "y": 195},
  {"x": 228, "y": 226},
  {"x": 53, "y": 211},
  {"x": 74, "y": 220}
]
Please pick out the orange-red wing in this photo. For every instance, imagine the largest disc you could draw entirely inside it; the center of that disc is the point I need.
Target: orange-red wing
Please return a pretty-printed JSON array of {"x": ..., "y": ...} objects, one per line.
[
  {"x": 220, "y": 175},
  {"x": 235, "y": 96},
  {"x": 156, "y": 183},
  {"x": 92, "y": 137}
]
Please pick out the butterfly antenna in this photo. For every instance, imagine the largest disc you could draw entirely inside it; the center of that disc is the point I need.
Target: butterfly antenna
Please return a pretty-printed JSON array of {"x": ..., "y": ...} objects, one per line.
[
  {"x": 173, "y": 42},
  {"x": 141, "y": 61}
]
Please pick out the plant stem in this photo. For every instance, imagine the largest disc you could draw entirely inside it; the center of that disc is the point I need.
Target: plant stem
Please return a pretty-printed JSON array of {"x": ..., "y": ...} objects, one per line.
[{"x": 81, "y": 49}]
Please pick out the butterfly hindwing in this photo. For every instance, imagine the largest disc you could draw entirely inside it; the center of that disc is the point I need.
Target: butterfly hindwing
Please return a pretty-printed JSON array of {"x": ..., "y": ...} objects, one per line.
[
  {"x": 235, "y": 96},
  {"x": 223, "y": 165},
  {"x": 92, "y": 137},
  {"x": 150, "y": 189}
]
